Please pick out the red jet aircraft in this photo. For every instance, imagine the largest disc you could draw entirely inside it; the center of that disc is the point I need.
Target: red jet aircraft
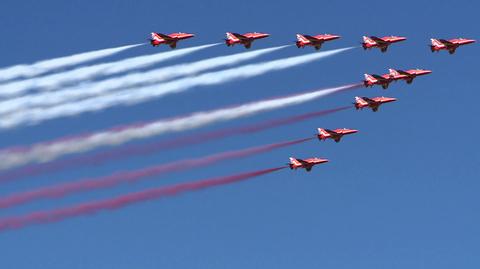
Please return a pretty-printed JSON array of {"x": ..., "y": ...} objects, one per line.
[
  {"x": 336, "y": 135},
  {"x": 407, "y": 75},
  {"x": 450, "y": 45},
  {"x": 314, "y": 41},
  {"x": 170, "y": 39},
  {"x": 383, "y": 80},
  {"x": 382, "y": 43},
  {"x": 373, "y": 103},
  {"x": 307, "y": 164},
  {"x": 245, "y": 39}
]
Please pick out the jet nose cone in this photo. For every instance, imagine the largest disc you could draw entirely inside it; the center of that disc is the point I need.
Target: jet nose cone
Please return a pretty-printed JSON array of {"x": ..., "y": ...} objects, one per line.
[
  {"x": 391, "y": 99},
  {"x": 353, "y": 131}
]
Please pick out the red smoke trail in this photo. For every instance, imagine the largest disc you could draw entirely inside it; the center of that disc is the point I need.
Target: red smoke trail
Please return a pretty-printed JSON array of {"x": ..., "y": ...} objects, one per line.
[
  {"x": 132, "y": 176},
  {"x": 129, "y": 151},
  {"x": 125, "y": 200}
]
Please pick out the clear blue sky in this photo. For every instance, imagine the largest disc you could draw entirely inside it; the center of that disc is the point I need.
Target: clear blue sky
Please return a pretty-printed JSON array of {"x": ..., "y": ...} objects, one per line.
[{"x": 402, "y": 193}]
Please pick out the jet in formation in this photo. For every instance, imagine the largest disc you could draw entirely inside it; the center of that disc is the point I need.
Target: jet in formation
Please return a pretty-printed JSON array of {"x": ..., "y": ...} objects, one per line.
[
  {"x": 374, "y": 103},
  {"x": 245, "y": 39},
  {"x": 380, "y": 42},
  {"x": 373, "y": 79},
  {"x": 171, "y": 40},
  {"x": 306, "y": 164},
  {"x": 314, "y": 41},
  {"x": 451, "y": 45},
  {"x": 407, "y": 75},
  {"x": 336, "y": 134}
]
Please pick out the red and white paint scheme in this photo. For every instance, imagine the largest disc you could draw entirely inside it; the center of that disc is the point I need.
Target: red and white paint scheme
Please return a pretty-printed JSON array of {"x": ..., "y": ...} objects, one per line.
[
  {"x": 245, "y": 39},
  {"x": 171, "y": 39},
  {"x": 306, "y": 164},
  {"x": 380, "y": 42},
  {"x": 383, "y": 80},
  {"x": 451, "y": 45},
  {"x": 407, "y": 75},
  {"x": 336, "y": 135},
  {"x": 314, "y": 41},
  {"x": 373, "y": 103}
]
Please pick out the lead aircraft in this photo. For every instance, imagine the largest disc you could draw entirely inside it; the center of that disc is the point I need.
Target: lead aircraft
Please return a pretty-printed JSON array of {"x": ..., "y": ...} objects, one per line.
[{"x": 450, "y": 45}]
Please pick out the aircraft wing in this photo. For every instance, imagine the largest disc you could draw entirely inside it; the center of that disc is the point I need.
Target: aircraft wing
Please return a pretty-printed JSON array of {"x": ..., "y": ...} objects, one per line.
[
  {"x": 446, "y": 42},
  {"x": 241, "y": 37},
  {"x": 380, "y": 78},
  {"x": 165, "y": 37},
  {"x": 368, "y": 100},
  {"x": 312, "y": 38},
  {"x": 301, "y": 161},
  {"x": 401, "y": 72},
  {"x": 378, "y": 40}
]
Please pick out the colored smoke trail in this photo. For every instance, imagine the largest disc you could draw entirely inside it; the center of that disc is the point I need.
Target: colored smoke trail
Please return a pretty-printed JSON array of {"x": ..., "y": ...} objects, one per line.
[
  {"x": 137, "y": 95},
  {"x": 132, "y": 176},
  {"x": 82, "y": 74},
  {"x": 87, "y": 90},
  {"x": 44, "y": 152},
  {"x": 125, "y": 200},
  {"x": 45, "y": 66},
  {"x": 149, "y": 148}
]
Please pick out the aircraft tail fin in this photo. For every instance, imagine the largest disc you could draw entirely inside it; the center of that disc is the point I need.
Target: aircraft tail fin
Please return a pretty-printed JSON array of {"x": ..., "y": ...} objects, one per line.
[
  {"x": 155, "y": 36},
  {"x": 302, "y": 38},
  {"x": 322, "y": 131},
  {"x": 393, "y": 72},
  {"x": 368, "y": 40},
  {"x": 294, "y": 161},
  {"x": 436, "y": 42},
  {"x": 232, "y": 36},
  {"x": 360, "y": 101},
  {"x": 369, "y": 78}
]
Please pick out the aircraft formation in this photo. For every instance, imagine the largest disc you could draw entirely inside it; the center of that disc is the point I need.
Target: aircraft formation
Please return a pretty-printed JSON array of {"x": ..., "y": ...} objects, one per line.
[
  {"x": 58, "y": 148},
  {"x": 315, "y": 41}
]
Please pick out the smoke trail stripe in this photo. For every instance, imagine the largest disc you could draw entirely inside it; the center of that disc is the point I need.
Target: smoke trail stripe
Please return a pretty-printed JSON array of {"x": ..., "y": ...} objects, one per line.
[
  {"x": 45, "y": 66},
  {"x": 138, "y": 95},
  {"x": 54, "y": 81},
  {"x": 143, "y": 149},
  {"x": 125, "y": 200},
  {"x": 91, "y": 89},
  {"x": 116, "y": 136},
  {"x": 62, "y": 190}
]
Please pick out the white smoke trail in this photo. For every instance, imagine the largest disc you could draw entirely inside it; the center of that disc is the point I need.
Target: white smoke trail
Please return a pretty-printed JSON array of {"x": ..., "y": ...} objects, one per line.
[
  {"x": 52, "y": 82},
  {"x": 44, "y": 152},
  {"x": 42, "y": 67},
  {"x": 135, "y": 79},
  {"x": 137, "y": 95}
]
